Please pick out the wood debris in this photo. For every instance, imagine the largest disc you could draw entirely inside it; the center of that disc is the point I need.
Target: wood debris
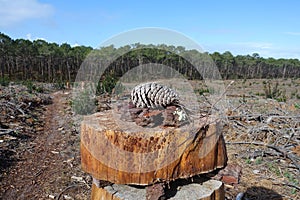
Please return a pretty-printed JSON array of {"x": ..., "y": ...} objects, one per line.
[{"x": 21, "y": 114}]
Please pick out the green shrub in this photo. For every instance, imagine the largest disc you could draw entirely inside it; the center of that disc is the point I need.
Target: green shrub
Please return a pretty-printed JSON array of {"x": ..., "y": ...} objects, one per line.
[
  {"x": 59, "y": 85},
  {"x": 33, "y": 87},
  {"x": 202, "y": 91},
  {"x": 258, "y": 160},
  {"x": 281, "y": 98},
  {"x": 4, "y": 81},
  {"x": 271, "y": 92},
  {"x": 40, "y": 89},
  {"x": 260, "y": 94},
  {"x": 107, "y": 85},
  {"x": 294, "y": 93},
  {"x": 83, "y": 103},
  {"x": 30, "y": 86}
]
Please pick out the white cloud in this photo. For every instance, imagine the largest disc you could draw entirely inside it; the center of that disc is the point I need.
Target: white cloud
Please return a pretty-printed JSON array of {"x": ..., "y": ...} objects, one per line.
[
  {"x": 28, "y": 36},
  {"x": 243, "y": 48},
  {"x": 75, "y": 45},
  {"x": 292, "y": 33},
  {"x": 15, "y": 11},
  {"x": 255, "y": 45},
  {"x": 264, "y": 49},
  {"x": 31, "y": 38}
]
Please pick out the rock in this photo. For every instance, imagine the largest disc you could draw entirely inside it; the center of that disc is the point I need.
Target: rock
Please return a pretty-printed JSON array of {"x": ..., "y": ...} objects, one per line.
[
  {"x": 155, "y": 191},
  {"x": 230, "y": 174}
]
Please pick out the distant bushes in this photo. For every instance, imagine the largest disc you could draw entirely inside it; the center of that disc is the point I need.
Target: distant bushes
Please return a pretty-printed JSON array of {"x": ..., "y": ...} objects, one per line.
[
  {"x": 32, "y": 87},
  {"x": 4, "y": 81},
  {"x": 83, "y": 103},
  {"x": 109, "y": 85},
  {"x": 273, "y": 92}
]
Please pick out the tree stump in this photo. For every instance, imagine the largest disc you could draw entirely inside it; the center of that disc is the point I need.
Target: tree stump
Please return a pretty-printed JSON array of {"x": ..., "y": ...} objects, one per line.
[{"x": 121, "y": 152}]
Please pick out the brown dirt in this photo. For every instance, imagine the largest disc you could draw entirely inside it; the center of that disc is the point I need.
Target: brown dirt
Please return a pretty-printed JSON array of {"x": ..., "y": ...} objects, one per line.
[{"x": 48, "y": 164}]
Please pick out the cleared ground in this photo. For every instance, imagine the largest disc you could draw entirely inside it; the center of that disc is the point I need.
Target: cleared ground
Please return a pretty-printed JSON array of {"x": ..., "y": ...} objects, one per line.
[{"x": 46, "y": 163}]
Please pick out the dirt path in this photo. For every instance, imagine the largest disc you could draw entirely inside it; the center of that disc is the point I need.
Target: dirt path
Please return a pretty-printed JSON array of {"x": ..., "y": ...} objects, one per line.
[{"x": 49, "y": 164}]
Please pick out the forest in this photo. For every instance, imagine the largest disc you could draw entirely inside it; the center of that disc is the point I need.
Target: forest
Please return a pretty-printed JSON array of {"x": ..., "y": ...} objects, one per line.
[{"x": 42, "y": 61}]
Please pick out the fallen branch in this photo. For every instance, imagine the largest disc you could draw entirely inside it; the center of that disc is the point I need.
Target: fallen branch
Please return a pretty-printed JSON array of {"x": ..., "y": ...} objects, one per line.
[
  {"x": 221, "y": 96},
  {"x": 276, "y": 148},
  {"x": 288, "y": 184},
  {"x": 67, "y": 188},
  {"x": 17, "y": 107},
  {"x": 5, "y": 131},
  {"x": 265, "y": 118}
]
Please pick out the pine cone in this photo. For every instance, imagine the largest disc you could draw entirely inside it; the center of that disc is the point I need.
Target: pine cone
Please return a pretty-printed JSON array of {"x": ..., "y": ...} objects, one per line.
[{"x": 152, "y": 95}]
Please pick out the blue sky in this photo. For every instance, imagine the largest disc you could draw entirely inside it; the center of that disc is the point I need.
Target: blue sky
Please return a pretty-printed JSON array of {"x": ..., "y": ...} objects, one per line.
[{"x": 270, "y": 27}]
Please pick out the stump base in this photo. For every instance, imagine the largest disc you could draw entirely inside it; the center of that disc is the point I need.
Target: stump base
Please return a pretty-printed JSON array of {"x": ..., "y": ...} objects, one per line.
[{"x": 205, "y": 190}]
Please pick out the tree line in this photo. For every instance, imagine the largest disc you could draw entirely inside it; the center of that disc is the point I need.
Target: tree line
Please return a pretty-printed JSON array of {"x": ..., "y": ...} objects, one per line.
[
  {"x": 39, "y": 60},
  {"x": 42, "y": 61}
]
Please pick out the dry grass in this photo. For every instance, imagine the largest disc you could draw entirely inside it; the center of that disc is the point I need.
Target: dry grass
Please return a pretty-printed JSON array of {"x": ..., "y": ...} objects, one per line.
[{"x": 268, "y": 173}]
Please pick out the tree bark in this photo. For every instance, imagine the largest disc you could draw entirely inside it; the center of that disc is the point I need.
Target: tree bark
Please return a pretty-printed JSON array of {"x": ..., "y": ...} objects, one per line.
[{"x": 133, "y": 155}]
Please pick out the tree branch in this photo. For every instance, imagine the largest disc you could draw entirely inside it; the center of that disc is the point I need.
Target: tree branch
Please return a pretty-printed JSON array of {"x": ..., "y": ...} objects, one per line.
[
  {"x": 5, "y": 131},
  {"x": 281, "y": 150}
]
